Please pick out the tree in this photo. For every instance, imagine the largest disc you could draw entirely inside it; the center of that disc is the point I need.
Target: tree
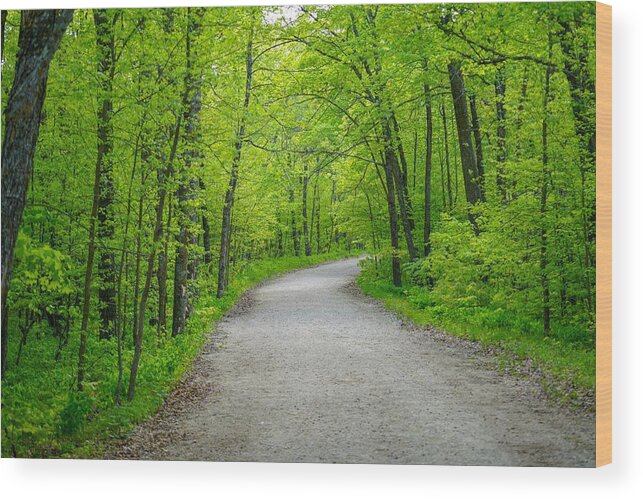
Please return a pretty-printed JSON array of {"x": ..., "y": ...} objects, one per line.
[{"x": 41, "y": 32}]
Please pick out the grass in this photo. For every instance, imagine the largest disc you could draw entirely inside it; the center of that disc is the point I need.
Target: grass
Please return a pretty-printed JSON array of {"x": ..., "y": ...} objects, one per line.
[
  {"x": 568, "y": 365},
  {"x": 44, "y": 416}
]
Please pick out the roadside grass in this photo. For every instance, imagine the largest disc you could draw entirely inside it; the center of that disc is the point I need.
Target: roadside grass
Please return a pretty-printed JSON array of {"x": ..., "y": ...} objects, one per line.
[
  {"x": 567, "y": 365},
  {"x": 44, "y": 416}
]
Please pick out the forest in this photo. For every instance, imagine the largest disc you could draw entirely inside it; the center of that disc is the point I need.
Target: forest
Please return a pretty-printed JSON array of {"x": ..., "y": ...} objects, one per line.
[{"x": 156, "y": 163}]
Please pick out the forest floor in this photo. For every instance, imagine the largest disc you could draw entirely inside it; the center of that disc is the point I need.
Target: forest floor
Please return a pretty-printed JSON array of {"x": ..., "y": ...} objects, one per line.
[{"x": 308, "y": 369}]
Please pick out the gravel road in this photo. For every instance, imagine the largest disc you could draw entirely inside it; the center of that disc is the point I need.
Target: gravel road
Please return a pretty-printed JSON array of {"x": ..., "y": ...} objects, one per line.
[{"x": 307, "y": 369}]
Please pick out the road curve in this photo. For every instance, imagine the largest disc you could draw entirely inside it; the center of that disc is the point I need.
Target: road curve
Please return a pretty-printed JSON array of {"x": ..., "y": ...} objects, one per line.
[{"x": 307, "y": 369}]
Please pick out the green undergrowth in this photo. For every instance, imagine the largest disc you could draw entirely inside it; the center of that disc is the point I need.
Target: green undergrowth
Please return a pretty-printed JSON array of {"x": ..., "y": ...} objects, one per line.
[
  {"x": 44, "y": 416},
  {"x": 566, "y": 364}
]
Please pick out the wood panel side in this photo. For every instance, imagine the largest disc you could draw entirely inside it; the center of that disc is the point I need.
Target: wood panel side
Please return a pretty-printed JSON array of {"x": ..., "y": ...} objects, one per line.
[{"x": 603, "y": 234}]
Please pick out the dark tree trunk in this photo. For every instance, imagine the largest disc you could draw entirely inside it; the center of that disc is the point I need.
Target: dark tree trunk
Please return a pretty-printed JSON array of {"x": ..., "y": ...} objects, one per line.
[
  {"x": 544, "y": 277},
  {"x": 501, "y": 134},
  {"x": 207, "y": 240},
  {"x": 318, "y": 218},
  {"x": 105, "y": 43},
  {"x": 158, "y": 234},
  {"x": 161, "y": 276},
  {"x": 467, "y": 152},
  {"x": 226, "y": 224},
  {"x": 184, "y": 267},
  {"x": 446, "y": 155},
  {"x": 293, "y": 221},
  {"x": 40, "y": 34},
  {"x": 392, "y": 215},
  {"x": 427, "y": 170},
  {"x": 404, "y": 172},
  {"x": 91, "y": 250},
  {"x": 137, "y": 261},
  {"x": 475, "y": 123},
  {"x": 304, "y": 209},
  {"x": 393, "y": 167},
  {"x": 140, "y": 319},
  {"x": 3, "y": 21}
]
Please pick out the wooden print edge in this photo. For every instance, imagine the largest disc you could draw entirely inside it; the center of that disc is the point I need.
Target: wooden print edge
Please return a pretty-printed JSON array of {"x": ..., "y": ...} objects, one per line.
[{"x": 603, "y": 234}]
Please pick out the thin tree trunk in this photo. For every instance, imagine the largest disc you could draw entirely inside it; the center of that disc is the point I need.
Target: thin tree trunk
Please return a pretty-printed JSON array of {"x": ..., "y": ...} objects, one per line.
[
  {"x": 427, "y": 170},
  {"x": 105, "y": 43},
  {"x": 304, "y": 209},
  {"x": 392, "y": 214},
  {"x": 293, "y": 221},
  {"x": 226, "y": 224},
  {"x": 186, "y": 192},
  {"x": 137, "y": 264},
  {"x": 404, "y": 169},
  {"x": 394, "y": 168},
  {"x": 318, "y": 218},
  {"x": 501, "y": 134},
  {"x": 207, "y": 236},
  {"x": 91, "y": 250},
  {"x": 446, "y": 154},
  {"x": 475, "y": 123},
  {"x": 40, "y": 34},
  {"x": 543, "y": 203},
  {"x": 138, "y": 343}
]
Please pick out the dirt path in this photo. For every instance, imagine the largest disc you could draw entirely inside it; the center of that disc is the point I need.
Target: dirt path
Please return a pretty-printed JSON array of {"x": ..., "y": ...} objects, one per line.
[{"x": 307, "y": 369}]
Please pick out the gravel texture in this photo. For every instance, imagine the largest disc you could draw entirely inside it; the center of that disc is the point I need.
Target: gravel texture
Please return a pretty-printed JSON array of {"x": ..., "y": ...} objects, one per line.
[{"x": 307, "y": 369}]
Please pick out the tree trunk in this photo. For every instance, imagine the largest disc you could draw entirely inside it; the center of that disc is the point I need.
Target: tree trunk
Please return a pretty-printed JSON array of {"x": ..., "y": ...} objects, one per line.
[
  {"x": 140, "y": 324},
  {"x": 226, "y": 224},
  {"x": 318, "y": 218},
  {"x": 207, "y": 236},
  {"x": 304, "y": 208},
  {"x": 544, "y": 278},
  {"x": 91, "y": 250},
  {"x": 392, "y": 215},
  {"x": 394, "y": 168},
  {"x": 293, "y": 221},
  {"x": 467, "y": 153},
  {"x": 404, "y": 172},
  {"x": 446, "y": 154},
  {"x": 105, "y": 43},
  {"x": 501, "y": 134},
  {"x": 40, "y": 34},
  {"x": 475, "y": 123},
  {"x": 427, "y": 170},
  {"x": 186, "y": 192}
]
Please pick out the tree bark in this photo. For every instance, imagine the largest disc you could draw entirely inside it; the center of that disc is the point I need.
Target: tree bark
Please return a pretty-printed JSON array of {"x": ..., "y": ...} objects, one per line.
[
  {"x": 304, "y": 209},
  {"x": 392, "y": 215},
  {"x": 293, "y": 221},
  {"x": 105, "y": 43},
  {"x": 427, "y": 170},
  {"x": 501, "y": 134},
  {"x": 207, "y": 236},
  {"x": 467, "y": 153},
  {"x": 475, "y": 123},
  {"x": 544, "y": 277},
  {"x": 394, "y": 168},
  {"x": 184, "y": 268},
  {"x": 226, "y": 224},
  {"x": 40, "y": 35},
  {"x": 447, "y": 157}
]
